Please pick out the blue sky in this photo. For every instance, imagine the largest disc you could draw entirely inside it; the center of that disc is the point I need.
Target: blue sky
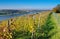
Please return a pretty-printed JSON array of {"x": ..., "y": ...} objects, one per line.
[{"x": 28, "y": 4}]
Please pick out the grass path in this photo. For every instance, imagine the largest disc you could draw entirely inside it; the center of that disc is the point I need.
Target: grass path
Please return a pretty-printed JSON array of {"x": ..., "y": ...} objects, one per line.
[
  {"x": 57, "y": 18},
  {"x": 57, "y": 15}
]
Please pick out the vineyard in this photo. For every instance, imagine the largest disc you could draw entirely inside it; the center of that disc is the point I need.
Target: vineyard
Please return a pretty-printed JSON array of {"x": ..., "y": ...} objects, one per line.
[{"x": 43, "y": 25}]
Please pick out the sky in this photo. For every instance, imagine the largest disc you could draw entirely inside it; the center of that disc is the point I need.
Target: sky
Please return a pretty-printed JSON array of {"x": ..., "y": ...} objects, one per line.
[{"x": 28, "y": 4}]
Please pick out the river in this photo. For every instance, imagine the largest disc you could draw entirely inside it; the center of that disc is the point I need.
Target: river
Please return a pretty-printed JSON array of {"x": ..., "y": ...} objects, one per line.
[{"x": 4, "y": 17}]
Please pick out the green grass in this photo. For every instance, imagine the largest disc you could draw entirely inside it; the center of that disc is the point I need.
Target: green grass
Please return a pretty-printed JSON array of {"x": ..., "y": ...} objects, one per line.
[{"x": 38, "y": 26}]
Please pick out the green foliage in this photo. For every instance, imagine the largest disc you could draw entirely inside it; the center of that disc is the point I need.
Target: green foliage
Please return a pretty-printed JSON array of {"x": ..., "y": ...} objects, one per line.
[
  {"x": 50, "y": 27},
  {"x": 21, "y": 35}
]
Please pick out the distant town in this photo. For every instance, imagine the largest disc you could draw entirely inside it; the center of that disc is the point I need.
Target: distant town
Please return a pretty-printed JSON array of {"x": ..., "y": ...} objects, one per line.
[{"x": 11, "y": 11}]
